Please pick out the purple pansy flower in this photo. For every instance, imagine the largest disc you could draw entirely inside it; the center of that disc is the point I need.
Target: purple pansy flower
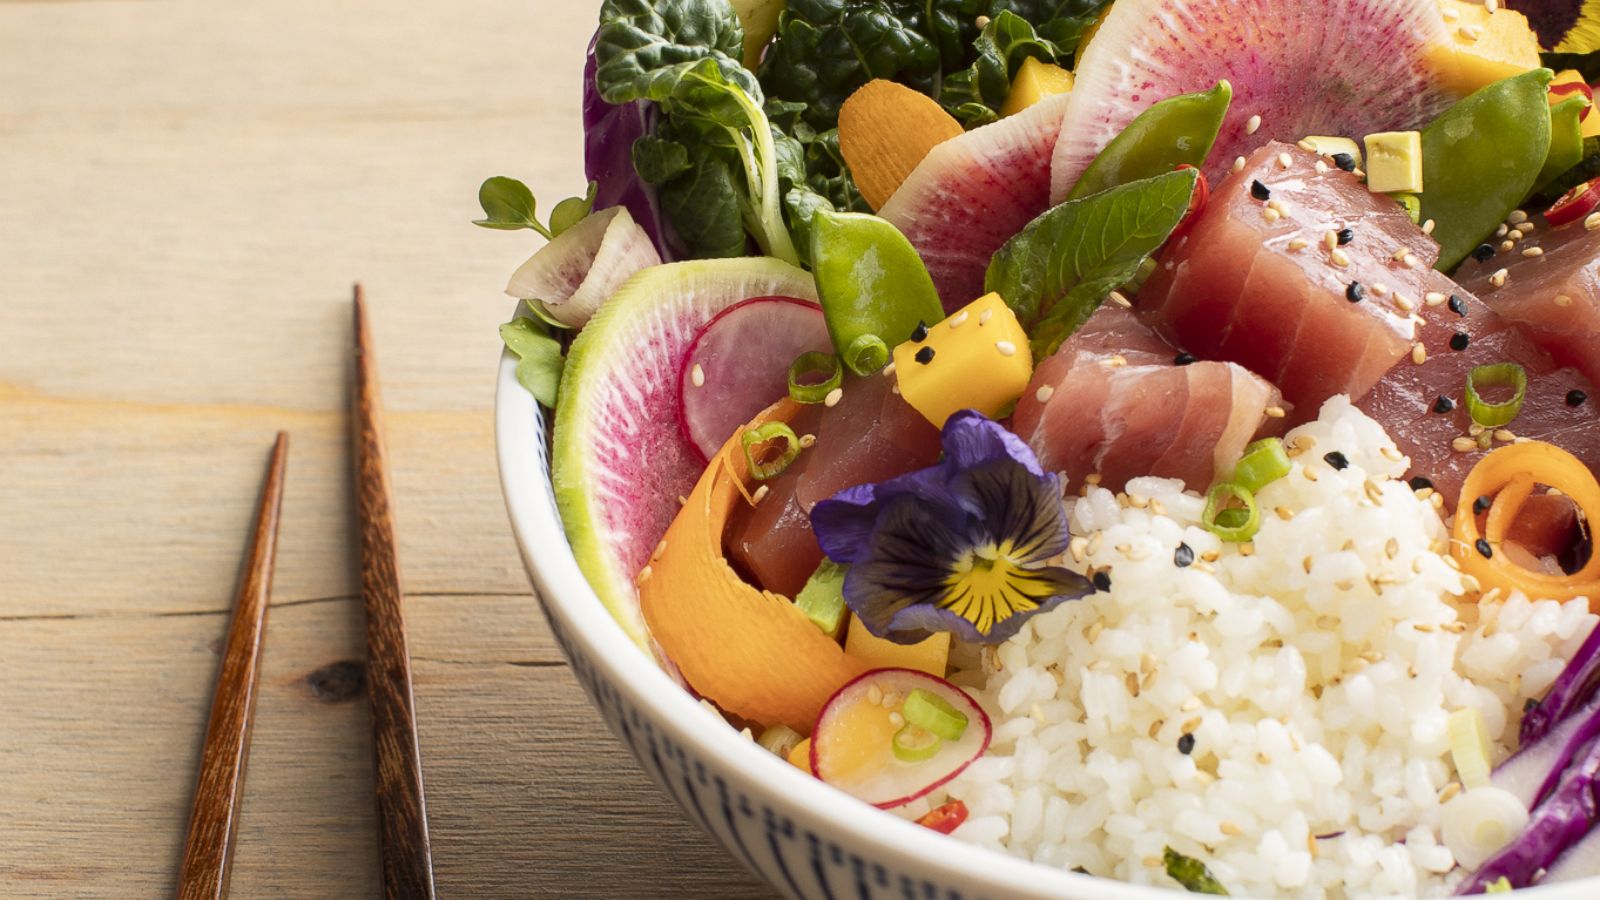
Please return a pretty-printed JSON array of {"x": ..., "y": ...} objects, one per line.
[{"x": 960, "y": 546}]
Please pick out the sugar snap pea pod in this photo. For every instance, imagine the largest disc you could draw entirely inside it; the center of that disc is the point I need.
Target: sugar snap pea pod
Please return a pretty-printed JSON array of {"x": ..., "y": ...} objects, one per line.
[
  {"x": 875, "y": 290},
  {"x": 1566, "y": 139},
  {"x": 1176, "y": 131},
  {"x": 1481, "y": 158}
]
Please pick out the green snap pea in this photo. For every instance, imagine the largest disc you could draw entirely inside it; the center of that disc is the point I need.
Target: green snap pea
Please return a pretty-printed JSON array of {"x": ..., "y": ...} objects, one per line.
[
  {"x": 1176, "y": 131},
  {"x": 1481, "y": 158},
  {"x": 874, "y": 288},
  {"x": 1566, "y": 139}
]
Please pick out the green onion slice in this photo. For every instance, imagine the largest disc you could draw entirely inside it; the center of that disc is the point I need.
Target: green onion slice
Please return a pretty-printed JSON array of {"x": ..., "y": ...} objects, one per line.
[
  {"x": 934, "y": 714},
  {"x": 1263, "y": 463},
  {"x": 913, "y": 744},
  {"x": 866, "y": 354},
  {"x": 779, "y": 739},
  {"x": 762, "y": 463},
  {"x": 1234, "y": 524},
  {"x": 1493, "y": 415},
  {"x": 804, "y": 371}
]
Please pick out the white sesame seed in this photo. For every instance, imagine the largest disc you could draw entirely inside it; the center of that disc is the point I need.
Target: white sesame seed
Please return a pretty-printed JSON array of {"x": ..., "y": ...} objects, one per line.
[
  {"x": 760, "y": 494},
  {"x": 984, "y": 317},
  {"x": 647, "y": 571},
  {"x": 1006, "y": 348},
  {"x": 1117, "y": 299},
  {"x": 1450, "y": 13},
  {"x": 1321, "y": 167},
  {"x": 834, "y": 396},
  {"x": 1419, "y": 353},
  {"x": 890, "y": 368},
  {"x": 1526, "y": 227},
  {"x": 1277, "y": 204},
  {"x": 1531, "y": 252},
  {"x": 1504, "y": 435},
  {"x": 1238, "y": 164},
  {"x": 1517, "y": 217},
  {"x": 1399, "y": 254},
  {"x": 807, "y": 441},
  {"x": 1498, "y": 279},
  {"x": 1299, "y": 244},
  {"x": 1339, "y": 258},
  {"x": 1284, "y": 160},
  {"x": 1591, "y": 221},
  {"x": 697, "y": 375},
  {"x": 1275, "y": 412},
  {"x": 1463, "y": 445},
  {"x": 1409, "y": 260},
  {"x": 1330, "y": 239},
  {"x": 1306, "y": 146},
  {"x": 1428, "y": 226},
  {"x": 1433, "y": 298},
  {"x": 1469, "y": 32},
  {"x": 1044, "y": 393},
  {"x": 1501, "y": 231},
  {"x": 1403, "y": 302},
  {"x": 1380, "y": 289},
  {"x": 1563, "y": 300},
  {"x": 1492, "y": 6},
  {"x": 959, "y": 319},
  {"x": 1252, "y": 125},
  {"x": 1507, "y": 246},
  {"x": 1271, "y": 215}
]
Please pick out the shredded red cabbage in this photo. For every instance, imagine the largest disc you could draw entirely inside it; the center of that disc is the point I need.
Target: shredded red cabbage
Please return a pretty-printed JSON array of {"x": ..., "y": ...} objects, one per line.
[
  {"x": 1561, "y": 821},
  {"x": 609, "y": 131},
  {"x": 1572, "y": 687}
]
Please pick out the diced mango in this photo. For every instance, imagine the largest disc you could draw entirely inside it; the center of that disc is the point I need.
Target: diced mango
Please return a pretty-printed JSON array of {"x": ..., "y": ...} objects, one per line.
[
  {"x": 1484, "y": 46},
  {"x": 1035, "y": 81},
  {"x": 1088, "y": 35},
  {"x": 1328, "y": 146},
  {"x": 1590, "y": 123},
  {"x": 800, "y": 756},
  {"x": 1394, "y": 162},
  {"x": 977, "y": 358},
  {"x": 931, "y": 655}
]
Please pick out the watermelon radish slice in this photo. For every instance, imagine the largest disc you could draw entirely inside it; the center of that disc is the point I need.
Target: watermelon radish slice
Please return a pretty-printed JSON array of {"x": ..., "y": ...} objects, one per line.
[
  {"x": 1335, "y": 67},
  {"x": 973, "y": 193},
  {"x": 572, "y": 275},
  {"x": 618, "y": 461},
  {"x": 852, "y": 743},
  {"x": 738, "y": 365}
]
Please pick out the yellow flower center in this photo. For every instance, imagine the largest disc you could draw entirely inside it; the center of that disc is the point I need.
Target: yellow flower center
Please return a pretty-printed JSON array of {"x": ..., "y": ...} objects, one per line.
[{"x": 986, "y": 586}]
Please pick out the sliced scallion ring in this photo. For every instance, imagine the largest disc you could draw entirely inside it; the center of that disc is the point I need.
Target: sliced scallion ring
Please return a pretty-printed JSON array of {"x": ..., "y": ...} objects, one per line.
[
  {"x": 933, "y": 713},
  {"x": 759, "y": 457},
  {"x": 913, "y": 744},
  {"x": 806, "y": 369},
  {"x": 866, "y": 354},
  {"x": 1263, "y": 463},
  {"x": 1493, "y": 415},
  {"x": 1232, "y": 524}
]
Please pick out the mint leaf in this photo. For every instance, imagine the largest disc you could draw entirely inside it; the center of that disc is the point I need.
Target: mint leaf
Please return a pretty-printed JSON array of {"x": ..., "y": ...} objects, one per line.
[
  {"x": 1191, "y": 873},
  {"x": 572, "y": 210},
  {"x": 508, "y": 205},
  {"x": 1055, "y": 273},
  {"x": 542, "y": 362}
]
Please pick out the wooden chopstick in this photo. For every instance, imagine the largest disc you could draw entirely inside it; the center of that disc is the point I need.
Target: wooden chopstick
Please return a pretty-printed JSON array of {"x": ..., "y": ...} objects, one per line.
[
  {"x": 406, "y": 860},
  {"x": 208, "y": 851}
]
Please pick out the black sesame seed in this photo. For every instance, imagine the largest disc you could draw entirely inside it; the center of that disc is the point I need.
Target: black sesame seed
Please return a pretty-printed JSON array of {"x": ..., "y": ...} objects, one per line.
[
  {"x": 1102, "y": 581},
  {"x": 1183, "y": 557},
  {"x": 1483, "y": 252},
  {"x": 1260, "y": 191},
  {"x": 1529, "y": 705},
  {"x": 1354, "y": 292},
  {"x": 1458, "y": 305},
  {"x": 1443, "y": 405},
  {"x": 1576, "y": 397},
  {"x": 1337, "y": 460},
  {"x": 1183, "y": 359},
  {"x": 1459, "y": 340},
  {"x": 920, "y": 333},
  {"x": 1482, "y": 504},
  {"x": 1418, "y": 483},
  {"x": 1345, "y": 161},
  {"x": 1346, "y": 236},
  {"x": 1186, "y": 744},
  {"x": 925, "y": 355},
  {"x": 1483, "y": 548}
]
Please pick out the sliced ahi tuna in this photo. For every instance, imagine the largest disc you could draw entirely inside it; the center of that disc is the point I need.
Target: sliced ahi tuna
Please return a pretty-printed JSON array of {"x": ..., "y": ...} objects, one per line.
[
  {"x": 1113, "y": 401},
  {"x": 1297, "y": 272},
  {"x": 1554, "y": 293},
  {"x": 1407, "y": 400},
  {"x": 973, "y": 193}
]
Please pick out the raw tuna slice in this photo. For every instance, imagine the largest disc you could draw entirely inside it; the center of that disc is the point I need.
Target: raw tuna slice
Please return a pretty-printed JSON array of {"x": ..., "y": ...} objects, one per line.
[
  {"x": 1255, "y": 282},
  {"x": 1114, "y": 402},
  {"x": 1338, "y": 67},
  {"x": 973, "y": 193},
  {"x": 871, "y": 435},
  {"x": 1404, "y": 400},
  {"x": 1555, "y": 295}
]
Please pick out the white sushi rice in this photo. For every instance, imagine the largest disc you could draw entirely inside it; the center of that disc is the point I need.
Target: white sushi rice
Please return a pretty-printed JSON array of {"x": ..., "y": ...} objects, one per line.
[{"x": 1316, "y": 673}]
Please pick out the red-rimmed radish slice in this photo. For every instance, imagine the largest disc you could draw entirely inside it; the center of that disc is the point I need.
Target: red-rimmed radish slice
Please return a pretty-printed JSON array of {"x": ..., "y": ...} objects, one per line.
[
  {"x": 852, "y": 745},
  {"x": 738, "y": 365},
  {"x": 1574, "y": 204}
]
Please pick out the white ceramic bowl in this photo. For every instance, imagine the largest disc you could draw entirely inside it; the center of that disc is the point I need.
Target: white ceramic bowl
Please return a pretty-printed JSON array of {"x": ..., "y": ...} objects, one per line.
[{"x": 805, "y": 838}]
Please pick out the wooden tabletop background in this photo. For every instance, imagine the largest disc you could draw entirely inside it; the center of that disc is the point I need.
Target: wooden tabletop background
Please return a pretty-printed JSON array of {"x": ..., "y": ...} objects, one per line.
[{"x": 187, "y": 191}]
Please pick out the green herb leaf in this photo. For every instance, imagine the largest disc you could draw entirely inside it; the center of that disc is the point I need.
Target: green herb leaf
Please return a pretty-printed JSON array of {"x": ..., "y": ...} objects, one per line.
[
  {"x": 1480, "y": 160},
  {"x": 572, "y": 210},
  {"x": 1057, "y": 271},
  {"x": 659, "y": 161},
  {"x": 508, "y": 205},
  {"x": 1176, "y": 131},
  {"x": 703, "y": 206},
  {"x": 542, "y": 361},
  {"x": 644, "y": 45},
  {"x": 1191, "y": 873}
]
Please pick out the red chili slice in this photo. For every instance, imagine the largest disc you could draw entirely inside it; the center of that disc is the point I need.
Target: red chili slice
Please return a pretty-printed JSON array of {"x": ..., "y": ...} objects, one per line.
[
  {"x": 946, "y": 818},
  {"x": 1197, "y": 202},
  {"x": 1574, "y": 204},
  {"x": 1575, "y": 87}
]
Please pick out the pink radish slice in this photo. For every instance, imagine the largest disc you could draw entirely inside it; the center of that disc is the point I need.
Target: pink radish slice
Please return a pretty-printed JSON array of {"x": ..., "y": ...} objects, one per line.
[
  {"x": 851, "y": 744},
  {"x": 743, "y": 357}
]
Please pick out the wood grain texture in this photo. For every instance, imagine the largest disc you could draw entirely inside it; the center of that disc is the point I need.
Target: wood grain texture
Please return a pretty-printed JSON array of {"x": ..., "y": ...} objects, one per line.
[
  {"x": 404, "y": 857},
  {"x": 189, "y": 191},
  {"x": 219, "y": 788}
]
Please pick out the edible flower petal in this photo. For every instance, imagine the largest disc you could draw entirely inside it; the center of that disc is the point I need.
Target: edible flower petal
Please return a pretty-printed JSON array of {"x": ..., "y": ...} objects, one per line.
[{"x": 961, "y": 546}]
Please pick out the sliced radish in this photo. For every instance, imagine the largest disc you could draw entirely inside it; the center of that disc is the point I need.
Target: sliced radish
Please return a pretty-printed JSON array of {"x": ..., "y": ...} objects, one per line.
[
  {"x": 738, "y": 365},
  {"x": 853, "y": 744},
  {"x": 575, "y": 273}
]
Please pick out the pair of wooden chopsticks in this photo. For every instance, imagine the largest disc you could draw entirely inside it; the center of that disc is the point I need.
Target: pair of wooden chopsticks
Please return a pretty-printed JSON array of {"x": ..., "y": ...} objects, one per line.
[{"x": 406, "y": 863}]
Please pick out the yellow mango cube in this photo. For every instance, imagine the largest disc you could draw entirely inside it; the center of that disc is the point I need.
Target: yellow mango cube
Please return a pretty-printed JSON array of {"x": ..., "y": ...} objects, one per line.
[
  {"x": 800, "y": 756},
  {"x": 977, "y": 358},
  {"x": 1483, "y": 46},
  {"x": 1035, "y": 81},
  {"x": 1591, "y": 122},
  {"x": 1394, "y": 162},
  {"x": 931, "y": 655}
]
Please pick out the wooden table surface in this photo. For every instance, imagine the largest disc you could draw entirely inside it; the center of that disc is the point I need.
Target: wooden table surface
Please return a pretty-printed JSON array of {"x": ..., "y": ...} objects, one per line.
[{"x": 187, "y": 190}]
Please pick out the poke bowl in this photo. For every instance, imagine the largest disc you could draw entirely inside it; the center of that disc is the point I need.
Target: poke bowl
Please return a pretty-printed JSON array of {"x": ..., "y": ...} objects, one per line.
[{"x": 1118, "y": 466}]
